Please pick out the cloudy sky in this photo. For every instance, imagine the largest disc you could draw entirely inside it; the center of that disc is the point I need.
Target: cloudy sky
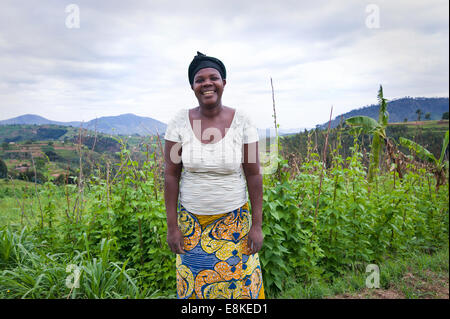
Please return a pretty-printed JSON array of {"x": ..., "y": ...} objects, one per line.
[{"x": 101, "y": 58}]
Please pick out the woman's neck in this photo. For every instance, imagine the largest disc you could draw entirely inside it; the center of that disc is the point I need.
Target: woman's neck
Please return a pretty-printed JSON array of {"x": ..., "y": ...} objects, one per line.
[{"x": 210, "y": 111}]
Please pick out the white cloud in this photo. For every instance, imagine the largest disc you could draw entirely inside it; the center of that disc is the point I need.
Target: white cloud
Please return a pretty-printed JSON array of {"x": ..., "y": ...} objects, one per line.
[{"x": 132, "y": 57}]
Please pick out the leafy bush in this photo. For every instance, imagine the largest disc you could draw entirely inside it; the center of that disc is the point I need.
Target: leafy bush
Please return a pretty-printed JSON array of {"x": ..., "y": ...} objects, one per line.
[
  {"x": 133, "y": 214},
  {"x": 318, "y": 223},
  {"x": 3, "y": 169},
  {"x": 351, "y": 223}
]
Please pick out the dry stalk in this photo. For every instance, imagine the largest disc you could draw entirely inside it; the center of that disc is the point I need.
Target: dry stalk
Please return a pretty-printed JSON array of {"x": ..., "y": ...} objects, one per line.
[
  {"x": 66, "y": 182},
  {"x": 35, "y": 188},
  {"x": 322, "y": 170},
  {"x": 159, "y": 143},
  {"x": 118, "y": 171},
  {"x": 308, "y": 148},
  {"x": 160, "y": 161},
  {"x": 278, "y": 173},
  {"x": 316, "y": 150},
  {"x": 79, "y": 202},
  {"x": 274, "y": 112},
  {"x": 95, "y": 136},
  {"x": 108, "y": 189},
  {"x": 21, "y": 205}
]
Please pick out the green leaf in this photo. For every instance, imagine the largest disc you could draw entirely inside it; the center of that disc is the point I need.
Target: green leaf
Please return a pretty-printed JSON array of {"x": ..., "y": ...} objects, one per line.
[
  {"x": 278, "y": 227},
  {"x": 275, "y": 215},
  {"x": 368, "y": 124},
  {"x": 421, "y": 151},
  {"x": 444, "y": 147}
]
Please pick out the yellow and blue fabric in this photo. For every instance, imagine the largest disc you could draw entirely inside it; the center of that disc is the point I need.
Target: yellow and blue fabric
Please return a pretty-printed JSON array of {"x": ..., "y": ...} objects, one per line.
[{"x": 217, "y": 263}]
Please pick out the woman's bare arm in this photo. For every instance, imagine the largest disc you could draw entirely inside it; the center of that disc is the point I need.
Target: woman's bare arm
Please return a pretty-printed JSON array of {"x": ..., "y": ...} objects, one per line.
[
  {"x": 253, "y": 176},
  {"x": 172, "y": 173}
]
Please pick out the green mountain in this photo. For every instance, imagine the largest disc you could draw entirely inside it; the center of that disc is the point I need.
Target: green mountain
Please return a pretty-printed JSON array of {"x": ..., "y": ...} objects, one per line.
[
  {"x": 125, "y": 124},
  {"x": 399, "y": 110}
]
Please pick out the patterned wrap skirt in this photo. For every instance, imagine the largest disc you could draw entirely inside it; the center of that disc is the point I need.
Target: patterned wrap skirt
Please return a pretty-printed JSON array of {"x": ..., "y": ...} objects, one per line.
[{"x": 217, "y": 263}]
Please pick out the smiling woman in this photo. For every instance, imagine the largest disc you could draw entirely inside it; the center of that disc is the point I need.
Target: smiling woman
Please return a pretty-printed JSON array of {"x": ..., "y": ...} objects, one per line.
[
  {"x": 208, "y": 86},
  {"x": 211, "y": 158}
]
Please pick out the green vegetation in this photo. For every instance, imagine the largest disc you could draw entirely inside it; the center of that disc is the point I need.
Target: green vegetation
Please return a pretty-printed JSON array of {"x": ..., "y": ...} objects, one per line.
[
  {"x": 61, "y": 154},
  {"x": 316, "y": 231},
  {"x": 324, "y": 220},
  {"x": 378, "y": 129},
  {"x": 429, "y": 134},
  {"x": 438, "y": 164},
  {"x": 420, "y": 275},
  {"x": 29, "y": 273},
  {"x": 24, "y": 132},
  {"x": 354, "y": 224},
  {"x": 405, "y": 109},
  {"x": 3, "y": 169}
]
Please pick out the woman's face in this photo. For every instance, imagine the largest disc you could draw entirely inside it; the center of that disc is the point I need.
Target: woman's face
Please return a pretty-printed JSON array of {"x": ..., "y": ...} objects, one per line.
[{"x": 208, "y": 86}]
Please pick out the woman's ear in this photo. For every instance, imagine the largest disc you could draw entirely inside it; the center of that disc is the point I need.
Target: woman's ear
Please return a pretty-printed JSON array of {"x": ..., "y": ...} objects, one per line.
[{"x": 224, "y": 82}]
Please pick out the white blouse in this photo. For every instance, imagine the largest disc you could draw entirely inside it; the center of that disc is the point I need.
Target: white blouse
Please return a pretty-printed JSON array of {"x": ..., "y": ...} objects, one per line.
[{"x": 212, "y": 179}]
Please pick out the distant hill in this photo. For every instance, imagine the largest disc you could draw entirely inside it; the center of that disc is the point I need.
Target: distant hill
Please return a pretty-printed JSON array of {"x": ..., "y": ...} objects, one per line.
[
  {"x": 35, "y": 119},
  {"x": 125, "y": 124},
  {"x": 267, "y": 132},
  {"x": 130, "y": 124},
  {"x": 399, "y": 110}
]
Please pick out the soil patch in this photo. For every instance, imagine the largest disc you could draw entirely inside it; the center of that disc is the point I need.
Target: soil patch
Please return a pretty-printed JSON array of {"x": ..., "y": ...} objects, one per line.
[{"x": 427, "y": 285}]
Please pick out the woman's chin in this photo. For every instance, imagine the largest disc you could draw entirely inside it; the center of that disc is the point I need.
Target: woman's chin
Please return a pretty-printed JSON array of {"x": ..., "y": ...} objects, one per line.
[{"x": 209, "y": 101}]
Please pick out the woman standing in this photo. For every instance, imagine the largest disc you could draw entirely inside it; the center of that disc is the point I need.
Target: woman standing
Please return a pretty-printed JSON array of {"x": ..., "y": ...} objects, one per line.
[{"x": 211, "y": 158}]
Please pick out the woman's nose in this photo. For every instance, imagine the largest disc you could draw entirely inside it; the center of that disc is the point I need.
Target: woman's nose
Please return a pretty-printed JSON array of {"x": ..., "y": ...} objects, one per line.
[{"x": 207, "y": 82}]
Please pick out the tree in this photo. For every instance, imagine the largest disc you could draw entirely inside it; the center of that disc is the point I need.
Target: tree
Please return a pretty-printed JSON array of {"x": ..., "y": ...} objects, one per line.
[
  {"x": 419, "y": 114},
  {"x": 428, "y": 116},
  {"x": 3, "y": 169},
  {"x": 377, "y": 129},
  {"x": 445, "y": 116}
]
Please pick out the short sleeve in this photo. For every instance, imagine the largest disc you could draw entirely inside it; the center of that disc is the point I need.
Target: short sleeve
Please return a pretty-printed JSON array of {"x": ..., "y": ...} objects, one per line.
[
  {"x": 174, "y": 127},
  {"x": 250, "y": 130}
]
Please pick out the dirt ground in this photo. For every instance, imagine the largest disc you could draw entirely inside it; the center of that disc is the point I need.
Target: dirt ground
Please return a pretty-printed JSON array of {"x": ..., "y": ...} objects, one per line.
[{"x": 428, "y": 285}]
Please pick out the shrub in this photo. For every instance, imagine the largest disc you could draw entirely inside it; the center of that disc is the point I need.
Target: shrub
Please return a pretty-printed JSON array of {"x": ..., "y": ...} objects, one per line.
[{"x": 3, "y": 169}]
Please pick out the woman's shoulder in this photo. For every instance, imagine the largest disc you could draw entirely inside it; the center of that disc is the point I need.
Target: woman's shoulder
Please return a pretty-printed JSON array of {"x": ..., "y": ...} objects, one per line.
[
  {"x": 242, "y": 117},
  {"x": 182, "y": 111},
  {"x": 179, "y": 117}
]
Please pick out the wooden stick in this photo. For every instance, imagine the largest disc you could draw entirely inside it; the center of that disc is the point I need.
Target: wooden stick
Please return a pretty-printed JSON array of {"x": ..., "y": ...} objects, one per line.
[
  {"x": 323, "y": 168},
  {"x": 274, "y": 112},
  {"x": 35, "y": 188}
]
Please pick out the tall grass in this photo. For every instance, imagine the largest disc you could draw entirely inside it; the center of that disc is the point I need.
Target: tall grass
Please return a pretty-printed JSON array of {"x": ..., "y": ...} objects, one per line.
[
  {"x": 27, "y": 272},
  {"x": 321, "y": 220}
]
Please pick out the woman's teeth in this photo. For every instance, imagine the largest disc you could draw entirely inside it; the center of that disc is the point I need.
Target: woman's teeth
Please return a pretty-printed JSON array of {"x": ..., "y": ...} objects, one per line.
[{"x": 208, "y": 92}]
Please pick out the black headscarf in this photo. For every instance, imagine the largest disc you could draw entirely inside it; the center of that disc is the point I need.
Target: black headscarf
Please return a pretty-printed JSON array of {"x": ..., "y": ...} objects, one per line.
[{"x": 202, "y": 61}]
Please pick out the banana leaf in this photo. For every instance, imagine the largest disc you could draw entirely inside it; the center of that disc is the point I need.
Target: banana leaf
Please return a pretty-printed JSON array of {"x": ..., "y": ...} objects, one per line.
[
  {"x": 444, "y": 147},
  {"x": 421, "y": 151},
  {"x": 368, "y": 124}
]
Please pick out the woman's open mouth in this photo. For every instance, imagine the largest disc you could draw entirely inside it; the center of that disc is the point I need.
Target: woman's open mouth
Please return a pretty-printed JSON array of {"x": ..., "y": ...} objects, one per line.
[{"x": 207, "y": 93}]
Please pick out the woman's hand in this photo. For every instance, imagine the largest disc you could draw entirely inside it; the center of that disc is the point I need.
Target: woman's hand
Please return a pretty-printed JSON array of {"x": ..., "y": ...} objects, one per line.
[
  {"x": 175, "y": 240},
  {"x": 255, "y": 239}
]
